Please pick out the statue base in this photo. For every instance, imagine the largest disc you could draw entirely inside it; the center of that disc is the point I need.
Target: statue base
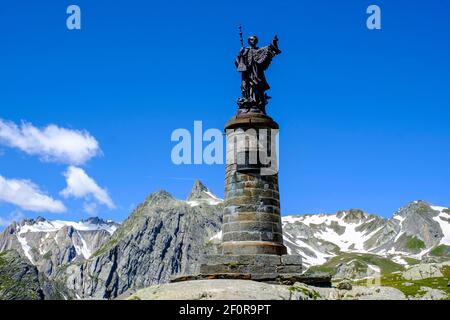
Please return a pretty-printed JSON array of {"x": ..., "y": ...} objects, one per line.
[{"x": 268, "y": 268}]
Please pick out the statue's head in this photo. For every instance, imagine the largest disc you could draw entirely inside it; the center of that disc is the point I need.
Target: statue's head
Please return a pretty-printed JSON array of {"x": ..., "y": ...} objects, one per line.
[{"x": 252, "y": 41}]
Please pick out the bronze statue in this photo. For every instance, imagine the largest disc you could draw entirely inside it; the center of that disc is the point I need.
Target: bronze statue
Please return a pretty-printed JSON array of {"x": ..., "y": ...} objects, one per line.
[{"x": 252, "y": 62}]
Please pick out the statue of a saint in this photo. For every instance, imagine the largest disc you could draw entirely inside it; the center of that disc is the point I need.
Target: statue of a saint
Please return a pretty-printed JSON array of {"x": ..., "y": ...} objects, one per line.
[{"x": 252, "y": 62}]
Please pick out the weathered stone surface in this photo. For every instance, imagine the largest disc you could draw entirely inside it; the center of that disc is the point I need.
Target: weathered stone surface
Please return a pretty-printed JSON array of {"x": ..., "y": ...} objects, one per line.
[
  {"x": 291, "y": 259},
  {"x": 251, "y": 198},
  {"x": 253, "y": 247},
  {"x": 236, "y": 209},
  {"x": 423, "y": 271},
  {"x": 344, "y": 285},
  {"x": 261, "y": 267},
  {"x": 214, "y": 290},
  {"x": 427, "y": 293},
  {"x": 289, "y": 269},
  {"x": 371, "y": 293},
  {"x": 237, "y": 268},
  {"x": 221, "y": 289},
  {"x": 273, "y": 278},
  {"x": 263, "y": 259}
]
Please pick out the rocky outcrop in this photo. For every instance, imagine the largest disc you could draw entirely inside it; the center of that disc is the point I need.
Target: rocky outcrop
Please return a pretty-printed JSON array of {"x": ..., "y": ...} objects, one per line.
[
  {"x": 416, "y": 229},
  {"x": 344, "y": 285},
  {"x": 250, "y": 290},
  {"x": 214, "y": 290},
  {"x": 432, "y": 294},
  {"x": 163, "y": 237},
  {"x": 425, "y": 271},
  {"x": 19, "y": 280}
]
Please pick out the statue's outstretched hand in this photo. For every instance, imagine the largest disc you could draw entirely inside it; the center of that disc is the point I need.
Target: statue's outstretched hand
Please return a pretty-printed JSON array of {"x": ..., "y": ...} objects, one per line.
[{"x": 275, "y": 44}]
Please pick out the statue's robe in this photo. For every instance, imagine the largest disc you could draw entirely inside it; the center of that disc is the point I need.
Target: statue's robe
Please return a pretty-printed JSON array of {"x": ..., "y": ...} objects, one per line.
[{"x": 252, "y": 62}]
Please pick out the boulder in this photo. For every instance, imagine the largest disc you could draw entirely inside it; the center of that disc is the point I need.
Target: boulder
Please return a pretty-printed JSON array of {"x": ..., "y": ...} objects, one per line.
[
  {"x": 423, "y": 271},
  {"x": 344, "y": 285},
  {"x": 215, "y": 290},
  {"x": 427, "y": 293}
]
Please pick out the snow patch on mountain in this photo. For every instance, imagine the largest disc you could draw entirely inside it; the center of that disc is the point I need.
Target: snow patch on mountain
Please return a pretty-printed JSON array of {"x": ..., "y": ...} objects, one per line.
[
  {"x": 375, "y": 268},
  {"x": 24, "y": 244},
  {"x": 351, "y": 239},
  {"x": 317, "y": 258},
  {"x": 444, "y": 222},
  {"x": 55, "y": 225},
  {"x": 84, "y": 249},
  {"x": 400, "y": 260},
  {"x": 217, "y": 236},
  {"x": 211, "y": 202}
]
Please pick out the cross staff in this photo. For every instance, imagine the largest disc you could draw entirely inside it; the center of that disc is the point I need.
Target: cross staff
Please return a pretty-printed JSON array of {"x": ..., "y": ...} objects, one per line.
[{"x": 240, "y": 36}]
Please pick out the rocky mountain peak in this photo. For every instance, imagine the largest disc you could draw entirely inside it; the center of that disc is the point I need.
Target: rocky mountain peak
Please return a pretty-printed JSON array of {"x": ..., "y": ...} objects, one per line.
[
  {"x": 198, "y": 191},
  {"x": 418, "y": 207},
  {"x": 159, "y": 198},
  {"x": 352, "y": 215},
  {"x": 98, "y": 221},
  {"x": 40, "y": 219},
  {"x": 201, "y": 194}
]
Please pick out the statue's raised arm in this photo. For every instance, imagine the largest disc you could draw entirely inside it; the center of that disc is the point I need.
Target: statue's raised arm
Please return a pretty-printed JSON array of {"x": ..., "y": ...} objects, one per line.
[
  {"x": 252, "y": 62},
  {"x": 275, "y": 45},
  {"x": 265, "y": 54}
]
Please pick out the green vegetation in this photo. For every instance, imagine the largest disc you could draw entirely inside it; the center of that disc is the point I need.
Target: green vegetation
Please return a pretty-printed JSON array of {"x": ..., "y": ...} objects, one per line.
[
  {"x": 107, "y": 246},
  {"x": 412, "y": 288},
  {"x": 14, "y": 283},
  {"x": 321, "y": 269},
  {"x": 441, "y": 251},
  {"x": 312, "y": 294},
  {"x": 414, "y": 243},
  {"x": 446, "y": 272},
  {"x": 411, "y": 261},
  {"x": 360, "y": 262},
  {"x": 47, "y": 255}
]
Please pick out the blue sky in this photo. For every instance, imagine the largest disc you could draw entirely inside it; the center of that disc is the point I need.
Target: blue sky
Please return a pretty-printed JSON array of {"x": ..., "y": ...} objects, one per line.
[{"x": 363, "y": 114}]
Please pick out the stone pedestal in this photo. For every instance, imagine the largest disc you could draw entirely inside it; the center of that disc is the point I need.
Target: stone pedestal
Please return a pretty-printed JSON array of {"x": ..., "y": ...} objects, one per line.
[
  {"x": 252, "y": 244},
  {"x": 270, "y": 268},
  {"x": 252, "y": 221}
]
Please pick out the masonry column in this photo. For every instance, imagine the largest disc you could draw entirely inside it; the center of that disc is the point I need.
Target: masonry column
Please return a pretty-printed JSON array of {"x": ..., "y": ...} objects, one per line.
[{"x": 252, "y": 221}]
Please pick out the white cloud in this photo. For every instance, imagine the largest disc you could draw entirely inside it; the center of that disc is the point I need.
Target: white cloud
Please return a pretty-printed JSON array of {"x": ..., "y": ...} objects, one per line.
[
  {"x": 52, "y": 143},
  {"x": 26, "y": 195},
  {"x": 14, "y": 216},
  {"x": 80, "y": 185}
]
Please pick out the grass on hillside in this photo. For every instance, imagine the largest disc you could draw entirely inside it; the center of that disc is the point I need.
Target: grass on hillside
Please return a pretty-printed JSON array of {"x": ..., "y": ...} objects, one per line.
[
  {"x": 441, "y": 251},
  {"x": 414, "y": 243},
  {"x": 412, "y": 288},
  {"x": 361, "y": 260}
]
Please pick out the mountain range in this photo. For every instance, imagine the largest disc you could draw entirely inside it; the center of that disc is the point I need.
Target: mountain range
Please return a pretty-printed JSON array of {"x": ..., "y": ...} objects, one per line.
[{"x": 165, "y": 236}]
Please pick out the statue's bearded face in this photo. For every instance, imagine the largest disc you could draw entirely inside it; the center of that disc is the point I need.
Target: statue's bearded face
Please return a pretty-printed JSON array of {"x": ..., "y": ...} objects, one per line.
[{"x": 253, "y": 41}]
